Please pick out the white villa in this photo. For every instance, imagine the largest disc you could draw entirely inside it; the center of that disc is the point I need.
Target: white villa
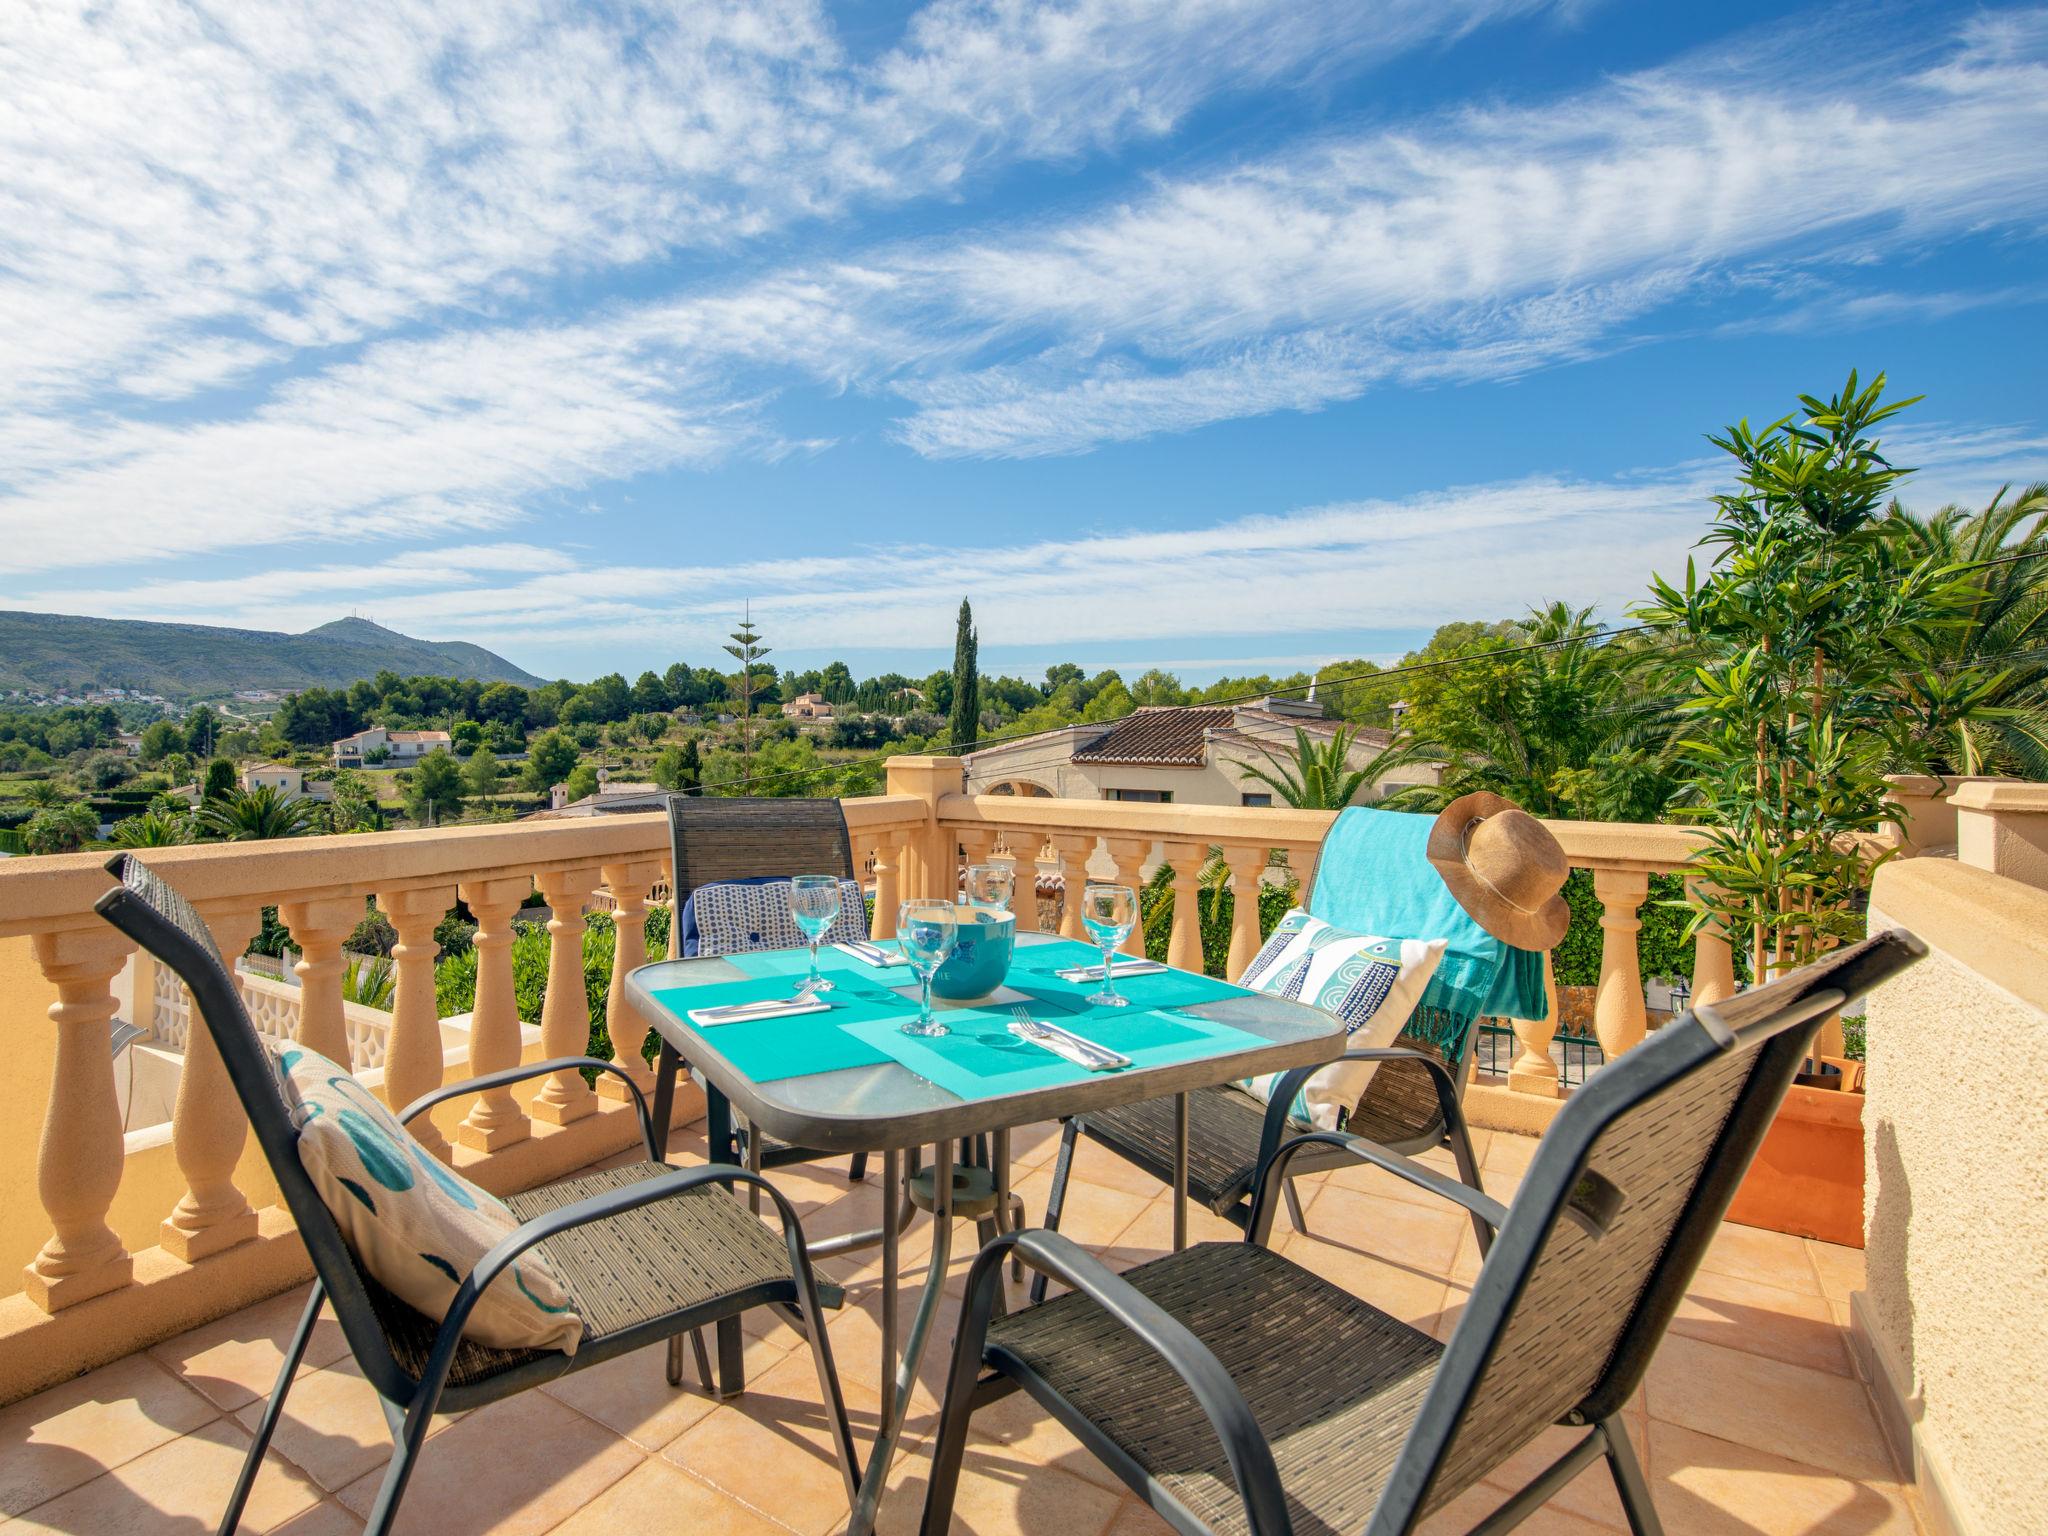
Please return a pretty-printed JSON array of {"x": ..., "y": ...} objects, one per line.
[
  {"x": 402, "y": 747},
  {"x": 1169, "y": 755}
]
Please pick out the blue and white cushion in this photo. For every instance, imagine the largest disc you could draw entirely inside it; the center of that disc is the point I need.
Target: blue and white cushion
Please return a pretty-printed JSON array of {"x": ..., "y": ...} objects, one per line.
[
  {"x": 414, "y": 1224},
  {"x": 1370, "y": 982},
  {"x": 732, "y": 917}
]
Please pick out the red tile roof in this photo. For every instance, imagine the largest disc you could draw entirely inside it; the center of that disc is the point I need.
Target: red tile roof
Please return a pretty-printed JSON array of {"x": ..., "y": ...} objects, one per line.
[{"x": 1163, "y": 737}]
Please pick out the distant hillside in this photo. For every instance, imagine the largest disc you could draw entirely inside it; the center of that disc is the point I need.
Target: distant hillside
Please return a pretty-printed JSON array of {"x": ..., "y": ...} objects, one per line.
[{"x": 53, "y": 652}]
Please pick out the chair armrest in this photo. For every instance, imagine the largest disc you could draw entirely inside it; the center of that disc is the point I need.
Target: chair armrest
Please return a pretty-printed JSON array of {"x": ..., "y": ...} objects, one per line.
[
  {"x": 510, "y": 1075},
  {"x": 1478, "y": 1202},
  {"x": 1244, "y": 1444}
]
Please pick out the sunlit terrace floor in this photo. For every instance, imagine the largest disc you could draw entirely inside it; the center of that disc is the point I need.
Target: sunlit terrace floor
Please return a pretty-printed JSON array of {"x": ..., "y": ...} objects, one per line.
[{"x": 1752, "y": 1419}]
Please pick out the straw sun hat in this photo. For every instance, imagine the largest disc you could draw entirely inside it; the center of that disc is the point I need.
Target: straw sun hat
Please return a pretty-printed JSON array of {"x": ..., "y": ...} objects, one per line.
[{"x": 1504, "y": 867}]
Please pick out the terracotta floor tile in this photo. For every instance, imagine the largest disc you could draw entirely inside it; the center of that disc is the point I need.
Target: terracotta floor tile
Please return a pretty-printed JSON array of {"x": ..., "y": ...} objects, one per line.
[
  {"x": 1764, "y": 1320},
  {"x": 631, "y": 1396},
  {"x": 1001, "y": 1494},
  {"x": 1810, "y": 1416},
  {"x": 234, "y": 1360},
  {"x": 655, "y": 1496},
  {"x": 1096, "y": 1164},
  {"x": 1034, "y": 1145},
  {"x": 1411, "y": 1236},
  {"x": 1135, "y": 1519},
  {"x": 1590, "y": 1495},
  {"x": 1093, "y": 1214},
  {"x": 1152, "y": 1231},
  {"x": 1473, "y": 1505},
  {"x": 515, "y": 1467},
  {"x": 333, "y": 1426},
  {"x": 771, "y": 1449},
  {"x": 327, "y": 1518},
  {"x": 184, "y": 1484},
  {"x": 1839, "y": 1269},
  {"x": 70, "y": 1434},
  {"x": 1022, "y": 1431},
  {"x": 1508, "y": 1153},
  {"x": 1706, "y": 1486},
  {"x": 1768, "y": 1258},
  {"x": 1394, "y": 1288}
]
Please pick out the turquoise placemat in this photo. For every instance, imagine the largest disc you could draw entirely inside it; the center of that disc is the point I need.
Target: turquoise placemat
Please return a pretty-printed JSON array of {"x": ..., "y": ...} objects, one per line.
[
  {"x": 981, "y": 1059},
  {"x": 1032, "y": 968},
  {"x": 768, "y": 1049},
  {"x": 832, "y": 962}
]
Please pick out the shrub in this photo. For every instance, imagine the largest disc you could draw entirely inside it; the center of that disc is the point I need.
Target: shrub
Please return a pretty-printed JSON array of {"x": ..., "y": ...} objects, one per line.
[{"x": 1217, "y": 917}]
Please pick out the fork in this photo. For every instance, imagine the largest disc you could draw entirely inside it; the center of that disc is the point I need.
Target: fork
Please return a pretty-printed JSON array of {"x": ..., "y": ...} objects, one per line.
[{"x": 1102, "y": 1058}]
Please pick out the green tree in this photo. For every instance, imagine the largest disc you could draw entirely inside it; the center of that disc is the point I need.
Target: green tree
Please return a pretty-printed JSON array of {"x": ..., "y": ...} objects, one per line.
[
  {"x": 1795, "y": 632},
  {"x": 964, "y": 726},
  {"x": 160, "y": 738},
  {"x": 480, "y": 775},
  {"x": 60, "y": 829},
  {"x": 152, "y": 829},
  {"x": 220, "y": 778},
  {"x": 548, "y": 762},
  {"x": 1319, "y": 776},
  {"x": 581, "y": 783},
  {"x": 650, "y": 694},
  {"x": 352, "y": 804},
  {"x": 42, "y": 793},
  {"x": 502, "y": 704},
  {"x": 677, "y": 768},
  {"x": 435, "y": 793},
  {"x": 255, "y": 815},
  {"x": 466, "y": 736},
  {"x": 747, "y": 650},
  {"x": 202, "y": 729}
]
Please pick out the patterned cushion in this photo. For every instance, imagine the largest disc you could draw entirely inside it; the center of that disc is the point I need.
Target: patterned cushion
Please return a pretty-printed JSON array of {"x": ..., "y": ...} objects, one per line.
[
  {"x": 417, "y": 1226},
  {"x": 1371, "y": 983},
  {"x": 734, "y": 916}
]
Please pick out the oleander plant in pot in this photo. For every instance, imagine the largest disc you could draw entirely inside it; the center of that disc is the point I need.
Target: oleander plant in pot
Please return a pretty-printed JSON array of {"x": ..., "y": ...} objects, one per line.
[{"x": 1796, "y": 637}]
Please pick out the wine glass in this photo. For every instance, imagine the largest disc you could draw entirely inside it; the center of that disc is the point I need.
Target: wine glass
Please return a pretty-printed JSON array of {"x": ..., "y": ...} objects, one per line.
[
  {"x": 990, "y": 885},
  {"x": 925, "y": 931},
  {"x": 1109, "y": 912},
  {"x": 814, "y": 907}
]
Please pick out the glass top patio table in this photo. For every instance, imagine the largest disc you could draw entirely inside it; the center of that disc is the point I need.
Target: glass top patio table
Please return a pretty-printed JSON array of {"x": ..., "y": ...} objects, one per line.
[{"x": 860, "y": 1099}]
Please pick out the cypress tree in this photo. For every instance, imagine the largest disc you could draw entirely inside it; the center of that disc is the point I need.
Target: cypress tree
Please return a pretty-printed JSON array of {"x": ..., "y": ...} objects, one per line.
[{"x": 966, "y": 719}]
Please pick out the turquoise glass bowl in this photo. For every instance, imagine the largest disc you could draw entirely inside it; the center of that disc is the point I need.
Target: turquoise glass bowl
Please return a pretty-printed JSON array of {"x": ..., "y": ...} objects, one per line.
[{"x": 981, "y": 955}]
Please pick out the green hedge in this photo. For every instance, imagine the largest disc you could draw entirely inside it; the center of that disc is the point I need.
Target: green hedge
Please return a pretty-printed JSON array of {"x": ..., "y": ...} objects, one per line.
[
  {"x": 1217, "y": 916},
  {"x": 455, "y": 976}
]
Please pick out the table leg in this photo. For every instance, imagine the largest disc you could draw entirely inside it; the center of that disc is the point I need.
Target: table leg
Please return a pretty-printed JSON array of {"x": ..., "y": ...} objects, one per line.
[
  {"x": 892, "y": 1178},
  {"x": 870, "y": 1496},
  {"x": 1180, "y": 1172},
  {"x": 666, "y": 1064},
  {"x": 719, "y": 1148}
]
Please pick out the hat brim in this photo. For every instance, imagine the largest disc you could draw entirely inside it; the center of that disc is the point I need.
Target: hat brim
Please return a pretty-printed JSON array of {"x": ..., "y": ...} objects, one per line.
[{"x": 1542, "y": 928}]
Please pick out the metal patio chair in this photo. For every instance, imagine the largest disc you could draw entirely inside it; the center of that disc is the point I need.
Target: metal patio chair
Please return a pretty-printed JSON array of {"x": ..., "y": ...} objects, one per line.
[
  {"x": 1238, "y": 1393},
  {"x": 647, "y": 1251}
]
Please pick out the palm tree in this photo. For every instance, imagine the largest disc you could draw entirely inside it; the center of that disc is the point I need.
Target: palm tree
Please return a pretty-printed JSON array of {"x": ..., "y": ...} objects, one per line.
[
  {"x": 255, "y": 815},
  {"x": 1319, "y": 776},
  {"x": 152, "y": 829},
  {"x": 1974, "y": 696},
  {"x": 61, "y": 829},
  {"x": 42, "y": 793}
]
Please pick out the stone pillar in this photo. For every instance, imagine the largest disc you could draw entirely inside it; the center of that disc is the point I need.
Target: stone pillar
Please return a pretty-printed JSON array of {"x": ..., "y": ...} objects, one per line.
[
  {"x": 1130, "y": 854},
  {"x": 889, "y": 853},
  {"x": 1074, "y": 854},
  {"x": 1618, "y": 1005},
  {"x": 495, "y": 1120},
  {"x": 1024, "y": 847},
  {"x": 320, "y": 928},
  {"x": 412, "y": 1056},
  {"x": 1184, "y": 946},
  {"x": 208, "y": 1125},
  {"x": 78, "y": 1166},
  {"x": 929, "y": 869},
  {"x": 1247, "y": 867},
  {"x": 628, "y": 884},
  {"x": 565, "y": 1012},
  {"x": 1713, "y": 962},
  {"x": 2004, "y": 828},
  {"x": 1532, "y": 1070}
]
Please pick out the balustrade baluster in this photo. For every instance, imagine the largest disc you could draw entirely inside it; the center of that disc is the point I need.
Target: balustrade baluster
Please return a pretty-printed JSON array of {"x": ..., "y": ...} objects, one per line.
[
  {"x": 565, "y": 1011},
  {"x": 1247, "y": 871},
  {"x": 320, "y": 928},
  {"x": 1532, "y": 1070},
  {"x": 1713, "y": 962},
  {"x": 1618, "y": 1005},
  {"x": 208, "y": 1127},
  {"x": 628, "y": 884},
  {"x": 78, "y": 1165},
  {"x": 1024, "y": 879},
  {"x": 1074, "y": 853},
  {"x": 412, "y": 1052},
  {"x": 495, "y": 1120},
  {"x": 979, "y": 845},
  {"x": 888, "y": 867},
  {"x": 1130, "y": 854},
  {"x": 1184, "y": 945}
]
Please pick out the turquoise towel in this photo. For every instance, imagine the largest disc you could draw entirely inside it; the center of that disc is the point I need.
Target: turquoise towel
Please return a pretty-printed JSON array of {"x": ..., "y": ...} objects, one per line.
[{"x": 1374, "y": 877}]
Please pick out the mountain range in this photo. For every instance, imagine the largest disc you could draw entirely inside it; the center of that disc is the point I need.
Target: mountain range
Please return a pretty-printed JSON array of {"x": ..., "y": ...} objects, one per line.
[{"x": 69, "y": 653}]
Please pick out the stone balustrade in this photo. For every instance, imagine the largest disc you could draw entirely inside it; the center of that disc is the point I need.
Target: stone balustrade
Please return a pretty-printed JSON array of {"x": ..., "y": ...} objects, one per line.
[{"x": 120, "y": 1237}]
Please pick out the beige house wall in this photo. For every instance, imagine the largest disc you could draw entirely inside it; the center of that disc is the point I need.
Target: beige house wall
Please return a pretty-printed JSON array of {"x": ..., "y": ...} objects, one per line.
[{"x": 1948, "y": 1328}]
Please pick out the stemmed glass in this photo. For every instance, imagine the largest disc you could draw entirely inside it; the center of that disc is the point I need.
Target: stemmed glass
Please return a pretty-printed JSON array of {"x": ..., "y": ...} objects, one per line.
[
  {"x": 989, "y": 886},
  {"x": 814, "y": 906},
  {"x": 1109, "y": 912},
  {"x": 925, "y": 931}
]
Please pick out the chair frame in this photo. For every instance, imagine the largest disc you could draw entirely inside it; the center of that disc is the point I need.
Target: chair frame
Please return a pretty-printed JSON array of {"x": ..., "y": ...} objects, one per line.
[
  {"x": 409, "y": 1402},
  {"x": 1781, "y": 1021}
]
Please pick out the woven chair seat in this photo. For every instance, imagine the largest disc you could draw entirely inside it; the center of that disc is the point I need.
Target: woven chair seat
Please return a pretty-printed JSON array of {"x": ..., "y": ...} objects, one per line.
[
  {"x": 1401, "y": 1109},
  {"x": 1224, "y": 1127},
  {"x": 623, "y": 1271},
  {"x": 1333, "y": 1382}
]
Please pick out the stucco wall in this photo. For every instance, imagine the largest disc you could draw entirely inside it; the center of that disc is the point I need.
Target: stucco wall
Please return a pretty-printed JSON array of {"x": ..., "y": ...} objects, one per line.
[{"x": 1957, "y": 1193}]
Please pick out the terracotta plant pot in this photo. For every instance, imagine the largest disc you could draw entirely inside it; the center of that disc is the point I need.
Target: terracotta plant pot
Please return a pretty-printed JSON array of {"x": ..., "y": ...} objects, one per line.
[{"x": 1808, "y": 1175}]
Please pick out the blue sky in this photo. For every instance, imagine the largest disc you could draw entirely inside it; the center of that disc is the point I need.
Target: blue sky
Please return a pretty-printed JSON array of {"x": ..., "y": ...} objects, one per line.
[{"x": 1211, "y": 334}]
